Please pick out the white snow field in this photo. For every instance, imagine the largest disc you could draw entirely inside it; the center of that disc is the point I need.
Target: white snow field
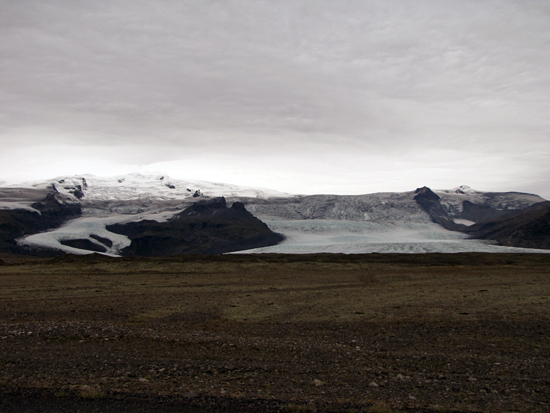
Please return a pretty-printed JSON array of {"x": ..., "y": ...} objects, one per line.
[{"x": 139, "y": 187}]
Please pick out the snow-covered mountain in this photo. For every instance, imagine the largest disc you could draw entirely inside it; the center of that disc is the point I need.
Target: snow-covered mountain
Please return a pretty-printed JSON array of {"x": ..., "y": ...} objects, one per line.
[
  {"x": 134, "y": 186},
  {"x": 453, "y": 199},
  {"x": 381, "y": 222}
]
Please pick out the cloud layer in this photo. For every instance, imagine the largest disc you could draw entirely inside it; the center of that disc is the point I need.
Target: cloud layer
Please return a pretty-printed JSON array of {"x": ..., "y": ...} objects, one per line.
[{"x": 308, "y": 96}]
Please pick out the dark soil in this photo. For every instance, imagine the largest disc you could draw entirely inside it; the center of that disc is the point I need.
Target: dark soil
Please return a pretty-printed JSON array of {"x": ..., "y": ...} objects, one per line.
[{"x": 371, "y": 333}]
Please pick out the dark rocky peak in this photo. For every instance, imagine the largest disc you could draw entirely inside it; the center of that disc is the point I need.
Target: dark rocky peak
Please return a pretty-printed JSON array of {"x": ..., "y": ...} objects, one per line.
[
  {"x": 77, "y": 193},
  {"x": 205, "y": 227},
  {"x": 238, "y": 206},
  {"x": 206, "y": 207},
  {"x": 462, "y": 189},
  {"x": 75, "y": 187},
  {"x": 425, "y": 193},
  {"x": 430, "y": 202},
  {"x": 58, "y": 205}
]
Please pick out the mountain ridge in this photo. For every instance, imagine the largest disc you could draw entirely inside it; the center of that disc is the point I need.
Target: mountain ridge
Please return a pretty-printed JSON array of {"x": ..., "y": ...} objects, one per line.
[{"x": 435, "y": 221}]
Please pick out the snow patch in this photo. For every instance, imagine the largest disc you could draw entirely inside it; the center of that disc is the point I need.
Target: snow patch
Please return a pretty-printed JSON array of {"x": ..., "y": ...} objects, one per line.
[{"x": 466, "y": 222}]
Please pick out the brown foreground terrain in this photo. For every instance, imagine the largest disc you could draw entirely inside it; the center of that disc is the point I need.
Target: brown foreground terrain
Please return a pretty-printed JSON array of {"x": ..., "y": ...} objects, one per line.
[{"x": 331, "y": 333}]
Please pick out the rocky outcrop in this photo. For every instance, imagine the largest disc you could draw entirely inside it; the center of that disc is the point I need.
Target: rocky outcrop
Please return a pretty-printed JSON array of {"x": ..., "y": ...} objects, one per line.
[
  {"x": 105, "y": 241},
  {"x": 56, "y": 209},
  {"x": 83, "y": 244},
  {"x": 429, "y": 201},
  {"x": 527, "y": 228},
  {"x": 75, "y": 187},
  {"x": 206, "y": 227},
  {"x": 16, "y": 223}
]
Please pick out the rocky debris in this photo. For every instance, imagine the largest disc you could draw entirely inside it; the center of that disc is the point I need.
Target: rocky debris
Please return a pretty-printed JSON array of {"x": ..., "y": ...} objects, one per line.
[
  {"x": 206, "y": 227},
  {"x": 236, "y": 362},
  {"x": 197, "y": 193},
  {"x": 58, "y": 334}
]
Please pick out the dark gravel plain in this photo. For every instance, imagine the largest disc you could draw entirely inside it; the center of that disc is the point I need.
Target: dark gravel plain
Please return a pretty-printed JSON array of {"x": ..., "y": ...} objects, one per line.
[{"x": 328, "y": 333}]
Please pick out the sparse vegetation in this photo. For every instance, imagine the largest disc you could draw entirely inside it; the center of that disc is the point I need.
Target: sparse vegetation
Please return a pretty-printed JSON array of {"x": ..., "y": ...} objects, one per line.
[
  {"x": 91, "y": 392},
  {"x": 380, "y": 408}
]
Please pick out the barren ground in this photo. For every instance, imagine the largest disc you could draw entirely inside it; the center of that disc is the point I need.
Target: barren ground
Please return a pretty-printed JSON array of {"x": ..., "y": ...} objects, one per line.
[{"x": 372, "y": 333}]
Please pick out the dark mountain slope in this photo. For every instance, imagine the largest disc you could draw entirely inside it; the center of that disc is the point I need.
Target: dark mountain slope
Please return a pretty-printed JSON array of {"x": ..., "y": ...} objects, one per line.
[
  {"x": 51, "y": 212},
  {"x": 430, "y": 202},
  {"x": 527, "y": 228},
  {"x": 480, "y": 213},
  {"x": 206, "y": 227}
]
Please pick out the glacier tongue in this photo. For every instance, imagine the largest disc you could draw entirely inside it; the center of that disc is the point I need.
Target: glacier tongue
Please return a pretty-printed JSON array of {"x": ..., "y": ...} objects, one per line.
[
  {"x": 318, "y": 236},
  {"x": 86, "y": 226}
]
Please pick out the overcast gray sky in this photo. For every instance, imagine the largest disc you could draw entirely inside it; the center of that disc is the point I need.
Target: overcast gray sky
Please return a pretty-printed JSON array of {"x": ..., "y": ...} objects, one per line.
[{"x": 324, "y": 96}]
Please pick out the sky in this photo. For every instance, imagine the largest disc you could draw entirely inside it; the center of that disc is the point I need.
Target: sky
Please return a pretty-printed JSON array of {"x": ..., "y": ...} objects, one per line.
[{"x": 323, "y": 96}]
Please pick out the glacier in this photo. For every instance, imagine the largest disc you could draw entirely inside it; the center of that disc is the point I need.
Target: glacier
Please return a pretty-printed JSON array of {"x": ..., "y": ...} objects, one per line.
[{"x": 371, "y": 223}]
